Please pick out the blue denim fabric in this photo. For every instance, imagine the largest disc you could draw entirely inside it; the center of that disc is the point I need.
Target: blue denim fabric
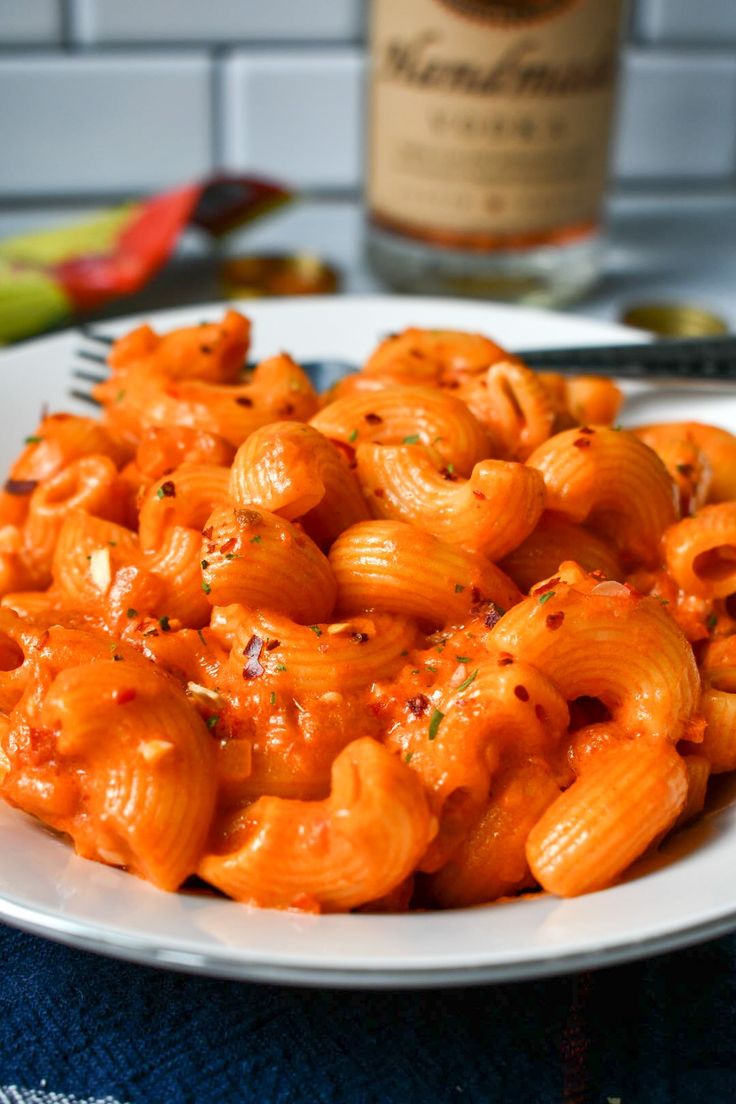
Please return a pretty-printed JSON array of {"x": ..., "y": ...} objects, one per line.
[{"x": 657, "y": 1032}]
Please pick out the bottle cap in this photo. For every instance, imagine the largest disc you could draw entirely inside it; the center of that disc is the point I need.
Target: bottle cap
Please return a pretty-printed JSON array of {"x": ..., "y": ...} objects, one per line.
[
  {"x": 673, "y": 319},
  {"x": 277, "y": 274}
]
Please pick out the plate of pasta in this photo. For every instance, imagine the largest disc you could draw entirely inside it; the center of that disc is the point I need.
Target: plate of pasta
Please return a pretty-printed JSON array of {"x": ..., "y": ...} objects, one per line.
[{"x": 426, "y": 678}]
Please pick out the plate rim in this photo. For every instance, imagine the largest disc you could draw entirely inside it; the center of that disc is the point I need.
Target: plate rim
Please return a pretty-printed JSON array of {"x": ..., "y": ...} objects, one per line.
[{"x": 99, "y": 940}]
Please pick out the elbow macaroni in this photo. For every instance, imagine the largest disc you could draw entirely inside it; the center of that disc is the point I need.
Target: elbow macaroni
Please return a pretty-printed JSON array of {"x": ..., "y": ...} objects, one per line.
[{"x": 436, "y": 623}]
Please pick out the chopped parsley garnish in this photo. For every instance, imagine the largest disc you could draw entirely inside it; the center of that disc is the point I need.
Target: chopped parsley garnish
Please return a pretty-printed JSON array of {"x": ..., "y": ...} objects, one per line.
[
  {"x": 711, "y": 622},
  {"x": 132, "y": 612},
  {"x": 120, "y": 396},
  {"x": 164, "y": 623},
  {"x": 434, "y": 722},
  {"x": 470, "y": 679},
  {"x": 353, "y": 436},
  {"x": 32, "y": 440},
  {"x": 450, "y": 468},
  {"x": 462, "y": 659},
  {"x": 205, "y": 563},
  {"x": 459, "y": 588},
  {"x": 281, "y": 667},
  {"x": 257, "y": 539},
  {"x": 315, "y": 629},
  {"x": 272, "y": 698},
  {"x": 409, "y": 756},
  {"x": 404, "y": 653},
  {"x": 206, "y": 586},
  {"x": 546, "y": 597},
  {"x": 212, "y": 721},
  {"x": 431, "y": 667},
  {"x": 412, "y": 439},
  {"x": 200, "y": 634}
]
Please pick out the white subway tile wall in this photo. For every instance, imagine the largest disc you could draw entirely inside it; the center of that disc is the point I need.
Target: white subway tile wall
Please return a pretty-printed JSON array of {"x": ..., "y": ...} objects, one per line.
[
  {"x": 707, "y": 21},
  {"x": 113, "y": 97},
  {"x": 677, "y": 115},
  {"x": 30, "y": 21},
  {"x": 124, "y": 122},
  {"x": 217, "y": 21},
  {"x": 295, "y": 116}
]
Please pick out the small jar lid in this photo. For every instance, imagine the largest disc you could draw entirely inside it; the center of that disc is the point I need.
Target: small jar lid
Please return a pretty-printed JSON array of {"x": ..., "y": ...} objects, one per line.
[
  {"x": 673, "y": 319},
  {"x": 255, "y": 276}
]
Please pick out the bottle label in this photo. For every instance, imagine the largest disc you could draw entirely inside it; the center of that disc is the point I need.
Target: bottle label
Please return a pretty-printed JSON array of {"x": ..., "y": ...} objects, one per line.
[{"x": 490, "y": 120}]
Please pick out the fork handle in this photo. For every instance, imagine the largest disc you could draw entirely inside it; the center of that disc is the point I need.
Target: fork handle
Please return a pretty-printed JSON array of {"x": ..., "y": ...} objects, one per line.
[{"x": 712, "y": 358}]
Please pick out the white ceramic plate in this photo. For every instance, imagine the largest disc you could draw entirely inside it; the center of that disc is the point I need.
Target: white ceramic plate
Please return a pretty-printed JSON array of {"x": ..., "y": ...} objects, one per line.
[{"x": 686, "y": 893}]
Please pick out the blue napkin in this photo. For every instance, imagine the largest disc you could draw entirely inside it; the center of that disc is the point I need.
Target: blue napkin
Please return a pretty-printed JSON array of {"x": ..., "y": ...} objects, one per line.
[{"x": 91, "y": 1029}]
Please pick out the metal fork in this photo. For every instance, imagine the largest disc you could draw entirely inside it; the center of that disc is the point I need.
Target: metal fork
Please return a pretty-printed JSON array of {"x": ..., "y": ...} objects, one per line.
[{"x": 697, "y": 364}]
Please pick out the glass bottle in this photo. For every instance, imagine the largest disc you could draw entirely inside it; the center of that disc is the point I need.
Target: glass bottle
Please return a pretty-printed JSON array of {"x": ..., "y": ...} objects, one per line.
[{"x": 488, "y": 144}]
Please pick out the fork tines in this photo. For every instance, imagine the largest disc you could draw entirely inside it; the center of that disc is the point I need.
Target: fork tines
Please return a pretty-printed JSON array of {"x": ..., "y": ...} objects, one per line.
[
  {"x": 95, "y": 358},
  {"x": 98, "y": 357},
  {"x": 95, "y": 335},
  {"x": 84, "y": 396}
]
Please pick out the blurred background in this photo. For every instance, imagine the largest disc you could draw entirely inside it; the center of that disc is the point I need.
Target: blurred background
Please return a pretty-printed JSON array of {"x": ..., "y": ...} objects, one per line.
[{"x": 108, "y": 99}]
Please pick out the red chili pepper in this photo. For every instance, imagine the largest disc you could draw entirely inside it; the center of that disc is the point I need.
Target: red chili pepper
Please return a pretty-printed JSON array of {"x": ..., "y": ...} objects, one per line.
[{"x": 253, "y": 667}]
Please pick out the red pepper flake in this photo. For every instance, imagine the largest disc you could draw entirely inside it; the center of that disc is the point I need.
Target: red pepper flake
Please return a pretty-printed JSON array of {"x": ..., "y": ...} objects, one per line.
[
  {"x": 582, "y": 443},
  {"x": 248, "y": 519},
  {"x": 379, "y": 492},
  {"x": 493, "y": 616},
  {"x": 360, "y": 637},
  {"x": 228, "y": 546},
  {"x": 476, "y": 596},
  {"x": 286, "y": 410},
  {"x": 550, "y": 585},
  {"x": 480, "y": 495},
  {"x": 380, "y": 706},
  {"x": 587, "y": 431},
  {"x": 252, "y": 650},
  {"x": 541, "y": 713},
  {"x": 207, "y": 533},
  {"x": 272, "y": 644},
  {"x": 21, "y": 486},
  {"x": 597, "y": 574},
  {"x": 122, "y": 697},
  {"x": 373, "y": 419},
  {"x": 522, "y": 693},
  {"x": 243, "y": 400},
  {"x": 554, "y": 620},
  {"x": 206, "y": 349},
  {"x": 685, "y": 469},
  {"x": 505, "y": 660},
  {"x": 418, "y": 705}
]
